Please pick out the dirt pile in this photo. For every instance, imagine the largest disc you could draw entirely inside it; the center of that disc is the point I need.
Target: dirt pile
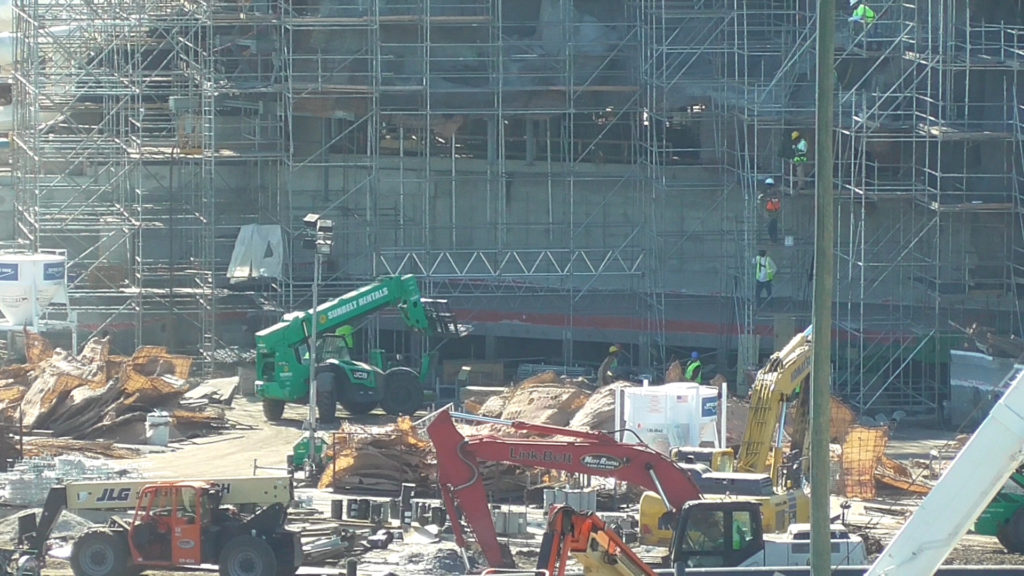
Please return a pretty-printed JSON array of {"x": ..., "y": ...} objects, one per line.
[{"x": 546, "y": 398}]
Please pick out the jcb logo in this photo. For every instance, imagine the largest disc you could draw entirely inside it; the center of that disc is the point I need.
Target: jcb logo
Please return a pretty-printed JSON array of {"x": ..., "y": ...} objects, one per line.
[{"x": 115, "y": 495}]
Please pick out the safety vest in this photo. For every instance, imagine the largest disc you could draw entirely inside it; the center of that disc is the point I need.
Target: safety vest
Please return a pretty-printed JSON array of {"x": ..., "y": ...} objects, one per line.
[
  {"x": 800, "y": 151},
  {"x": 865, "y": 14},
  {"x": 693, "y": 370},
  {"x": 765, "y": 265},
  {"x": 773, "y": 205}
]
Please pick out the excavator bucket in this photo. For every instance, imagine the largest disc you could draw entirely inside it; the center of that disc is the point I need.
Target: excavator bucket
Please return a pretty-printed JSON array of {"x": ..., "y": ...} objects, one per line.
[{"x": 442, "y": 320}]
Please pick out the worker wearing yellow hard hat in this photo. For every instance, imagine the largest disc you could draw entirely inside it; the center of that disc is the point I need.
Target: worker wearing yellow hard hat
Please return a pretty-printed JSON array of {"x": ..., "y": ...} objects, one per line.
[
  {"x": 799, "y": 159},
  {"x": 606, "y": 372}
]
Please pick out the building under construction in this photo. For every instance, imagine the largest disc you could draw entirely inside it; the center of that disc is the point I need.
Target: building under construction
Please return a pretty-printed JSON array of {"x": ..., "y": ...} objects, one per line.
[{"x": 567, "y": 173}]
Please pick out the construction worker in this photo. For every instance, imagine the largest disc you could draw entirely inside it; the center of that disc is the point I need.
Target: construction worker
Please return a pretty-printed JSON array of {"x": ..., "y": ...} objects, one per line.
[
  {"x": 693, "y": 368},
  {"x": 764, "y": 268},
  {"x": 772, "y": 207},
  {"x": 344, "y": 335},
  {"x": 862, "y": 13},
  {"x": 866, "y": 16},
  {"x": 799, "y": 158},
  {"x": 606, "y": 373}
]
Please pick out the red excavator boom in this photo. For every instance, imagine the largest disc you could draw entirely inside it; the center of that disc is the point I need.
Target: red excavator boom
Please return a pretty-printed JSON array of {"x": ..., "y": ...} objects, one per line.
[{"x": 593, "y": 453}]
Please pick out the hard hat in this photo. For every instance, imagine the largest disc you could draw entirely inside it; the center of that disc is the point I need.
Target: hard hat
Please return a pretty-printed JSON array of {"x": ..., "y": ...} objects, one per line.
[
  {"x": 794, "y": 135},
  {"x": 769, "y": 182},
  {"x": 694, "y": 355},
  {"x": 613, "y": 349},
  {"x": 854, "y": 2}
]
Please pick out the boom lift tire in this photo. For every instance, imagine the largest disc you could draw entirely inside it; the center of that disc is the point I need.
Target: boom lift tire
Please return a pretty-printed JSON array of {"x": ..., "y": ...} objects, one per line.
[
  {"x": 1011, "y": 535},
  {"x": 273, "y": 409},
  {"x": 326, "y": 397},
  {"x": 402, "y": 394},
  {"x": 100, "y": 553},
  {"x": 247, "y": 556}
]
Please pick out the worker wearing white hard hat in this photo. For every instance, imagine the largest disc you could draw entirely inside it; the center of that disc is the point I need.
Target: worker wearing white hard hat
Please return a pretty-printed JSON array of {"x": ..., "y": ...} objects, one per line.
[{"x": 865, "y": 16}]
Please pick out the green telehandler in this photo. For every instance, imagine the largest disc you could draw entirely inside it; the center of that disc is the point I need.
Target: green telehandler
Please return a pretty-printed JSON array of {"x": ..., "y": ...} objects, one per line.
[
  {"x": 1004, "y": 515},
  {"x": 282, "y": 353}
]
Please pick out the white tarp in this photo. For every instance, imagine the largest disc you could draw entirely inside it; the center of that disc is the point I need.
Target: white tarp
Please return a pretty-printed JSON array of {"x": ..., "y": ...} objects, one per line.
[{"x": 258, "y": 253}]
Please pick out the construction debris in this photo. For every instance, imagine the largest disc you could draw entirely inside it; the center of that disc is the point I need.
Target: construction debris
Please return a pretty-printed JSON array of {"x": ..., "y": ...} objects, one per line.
[
  {"x": 378, "y": 458},
  {"x": 96, "y": 395},
  {"x": 215, "y": 391},
  {"x": 53, "y": 447},
  {"x": 896, "y": 475},
  {"x": 995, "y": 344},
  {"x": 861, "y": 452},
  {"x": 30, "y": 481},
  {"x": 675, "y": 372},
  {"x": 473, "y": 398}
]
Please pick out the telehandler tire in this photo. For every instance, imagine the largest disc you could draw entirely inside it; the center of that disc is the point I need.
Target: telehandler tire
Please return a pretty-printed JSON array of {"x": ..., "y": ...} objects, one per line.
[
  {"x": 326, "y": 397},
  {"x": 358, "y": 408},
  {"x": 402, "y": 394},
  {"x": 100, "y": 553},
  {"x": 1011, "y": 535},
  {"x": 246, "y": 555},
  {"x": 273, "y": 409}
]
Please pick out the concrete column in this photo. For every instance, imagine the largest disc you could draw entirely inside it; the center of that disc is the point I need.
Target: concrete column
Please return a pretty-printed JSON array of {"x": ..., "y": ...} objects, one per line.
[
  {"x": 531, "y": 141},
  {"x": 490, "y": 347}
]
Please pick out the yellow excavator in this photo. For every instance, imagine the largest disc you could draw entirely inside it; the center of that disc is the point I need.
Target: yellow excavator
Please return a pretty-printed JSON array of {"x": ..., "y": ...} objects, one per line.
[{"x": 776, "y": 386}]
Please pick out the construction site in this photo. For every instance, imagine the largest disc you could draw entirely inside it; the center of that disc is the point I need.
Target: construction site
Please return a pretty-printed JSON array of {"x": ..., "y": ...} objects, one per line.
[{"x": 567, "y": 174}]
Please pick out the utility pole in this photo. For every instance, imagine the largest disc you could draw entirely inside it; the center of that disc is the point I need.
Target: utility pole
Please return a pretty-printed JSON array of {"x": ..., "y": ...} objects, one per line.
[
  {"x": 312, "y": 458},
  {"x": 824, "y": 236},
  {"x": 319, "y": 236}
]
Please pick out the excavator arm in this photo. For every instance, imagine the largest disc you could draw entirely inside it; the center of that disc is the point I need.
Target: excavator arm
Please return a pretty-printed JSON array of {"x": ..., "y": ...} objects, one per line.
[
  {"x": 586, "y": 537},
  {"x": 592, "y": 453},
  {"x": 775, "y": 385}
]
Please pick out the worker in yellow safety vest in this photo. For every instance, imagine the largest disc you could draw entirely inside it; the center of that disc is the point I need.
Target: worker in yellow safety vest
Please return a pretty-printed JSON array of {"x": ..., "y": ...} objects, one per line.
[
  {"x": 693, "y": 368},
  {"x": 606, "y": 373},
  {"x": 862, "y": 13},
  {"x": 799, "y": 158},
  {"x": 866, "y": 16}
]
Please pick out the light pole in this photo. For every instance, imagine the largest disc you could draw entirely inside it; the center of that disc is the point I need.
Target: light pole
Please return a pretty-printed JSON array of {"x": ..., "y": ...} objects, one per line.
[{"x": 319, "y": 237}]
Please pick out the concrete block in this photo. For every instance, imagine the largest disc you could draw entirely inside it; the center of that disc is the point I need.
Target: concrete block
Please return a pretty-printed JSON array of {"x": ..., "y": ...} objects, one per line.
[{"x": 585, "y": 499}]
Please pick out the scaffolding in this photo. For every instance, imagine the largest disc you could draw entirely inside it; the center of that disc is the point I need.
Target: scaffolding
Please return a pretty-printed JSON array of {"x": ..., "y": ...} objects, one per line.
[
  {"x": 539, "y": 155},
  {"x": 133, "y": 120},
  {"x": 474, "y": 143},
  {"x": 929, "y": 236}
]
